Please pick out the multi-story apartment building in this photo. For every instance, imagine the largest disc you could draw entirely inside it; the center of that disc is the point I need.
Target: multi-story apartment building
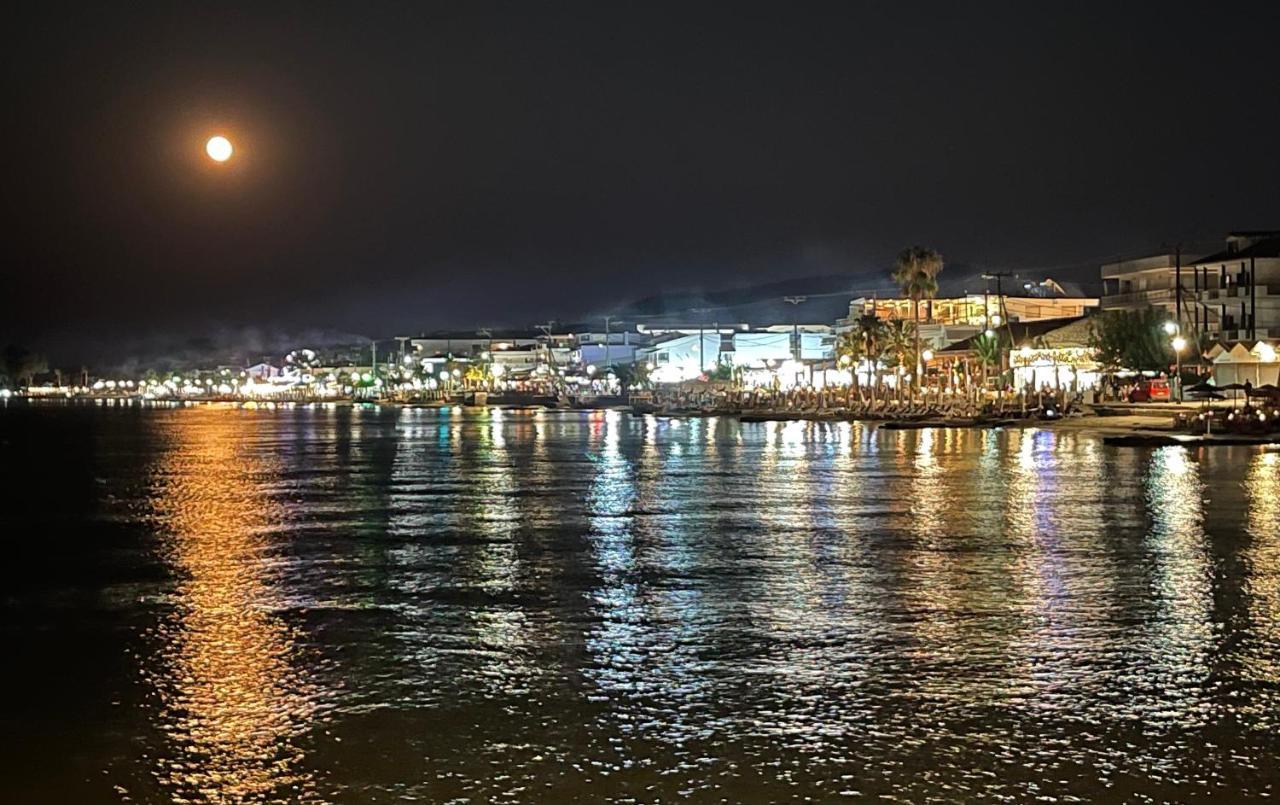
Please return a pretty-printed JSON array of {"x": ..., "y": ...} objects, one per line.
[
  {"x": 1228, "y": 294},
  {"x": 1235, "y": 292},
  {"x": 1141, "y": 282}
]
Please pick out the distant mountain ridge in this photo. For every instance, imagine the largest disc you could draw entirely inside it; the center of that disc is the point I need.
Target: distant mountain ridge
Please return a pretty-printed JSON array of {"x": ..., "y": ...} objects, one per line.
[
  {"x": 826, "y": 297},
  {"x": 682, "y": 301}
]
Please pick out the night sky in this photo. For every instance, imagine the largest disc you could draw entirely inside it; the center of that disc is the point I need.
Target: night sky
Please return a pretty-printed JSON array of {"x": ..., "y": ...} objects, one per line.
[{"x": 421, "y": 165}]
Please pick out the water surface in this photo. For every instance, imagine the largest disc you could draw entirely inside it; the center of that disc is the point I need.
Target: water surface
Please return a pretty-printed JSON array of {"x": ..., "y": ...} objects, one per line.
[{"x": 335, "y": 605}]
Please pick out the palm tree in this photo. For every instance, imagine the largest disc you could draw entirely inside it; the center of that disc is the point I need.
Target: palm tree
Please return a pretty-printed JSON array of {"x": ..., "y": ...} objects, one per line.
[
  {"x": 916, "y": 272},
  {"x": 870, "y": 330},
  {"x": 987, "y": 349},
  {"x": 477, "y": 374},
  {"x": 900, "y": 342},
  {"x": 631, "y": 375},
  {"x": 850, "y": 351},
  {"x": 22, "y": 365}
]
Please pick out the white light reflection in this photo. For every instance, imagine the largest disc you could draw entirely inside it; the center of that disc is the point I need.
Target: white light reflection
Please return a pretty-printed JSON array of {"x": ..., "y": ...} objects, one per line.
[{"x": 1179, "y": 635}]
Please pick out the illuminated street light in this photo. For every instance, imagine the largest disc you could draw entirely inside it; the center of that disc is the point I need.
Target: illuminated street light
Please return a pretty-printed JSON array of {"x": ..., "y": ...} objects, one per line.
[
  {"x": 1179, "y": 343},
  {"x": 1171, "y": 327}
]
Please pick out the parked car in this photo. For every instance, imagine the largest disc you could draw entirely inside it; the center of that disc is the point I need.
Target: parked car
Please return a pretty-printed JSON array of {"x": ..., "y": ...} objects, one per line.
[{"x": 1154, "y": 390}]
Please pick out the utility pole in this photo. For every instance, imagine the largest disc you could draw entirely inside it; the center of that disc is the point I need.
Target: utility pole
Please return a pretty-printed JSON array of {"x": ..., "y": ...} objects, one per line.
[
  {"x": 998, "y": 276},
  {"x": 487, "y": 334},
  {"x": 702, "y": 312},
  {"x": 606, "y": 342},
  {"x": 546, "y": 332},
  {"x": 1253, "y": 299},
  {"x": 550, "y": 354},
  {"x": 795, "y": 327},
  {"x": 1177, "y": 284}
]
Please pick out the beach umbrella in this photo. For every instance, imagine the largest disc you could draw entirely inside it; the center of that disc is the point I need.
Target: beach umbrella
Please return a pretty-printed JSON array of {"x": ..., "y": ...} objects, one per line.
[
  {"x": 1232, "y": 387},
  {"x": 1204, "y": 395},
  {"x": 1266, "y": 392},
  {"x": 1202, "y": 386}
]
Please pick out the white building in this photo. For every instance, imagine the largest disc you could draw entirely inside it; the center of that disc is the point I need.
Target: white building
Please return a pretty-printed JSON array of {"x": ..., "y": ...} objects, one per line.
[
  {"x": 685, "y": 356},
  {"x": 1141, "y": 282},
  {"x": 1243, "y": 361},
  {"x": 471, "y": 343},
  {"x": 1232, "y": 294},
  {"x": 600, "y": 348}
]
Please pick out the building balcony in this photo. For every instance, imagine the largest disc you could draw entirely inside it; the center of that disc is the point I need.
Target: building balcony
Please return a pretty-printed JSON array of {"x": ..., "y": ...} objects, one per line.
[
  {"x": 1243, "y": 334},
  {"x": 1234, "y": 292},
  {"x": 1155, "y": 298}
]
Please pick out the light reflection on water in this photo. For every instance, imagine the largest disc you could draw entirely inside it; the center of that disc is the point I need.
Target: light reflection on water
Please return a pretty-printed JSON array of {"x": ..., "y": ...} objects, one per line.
[
  {"x": 513, "y": 606},
  {"x": 232, "y": 697}
]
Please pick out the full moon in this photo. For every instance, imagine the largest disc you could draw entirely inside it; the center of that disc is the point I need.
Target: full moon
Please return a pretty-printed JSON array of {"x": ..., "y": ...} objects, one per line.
[{"x": 218, "y": 148}]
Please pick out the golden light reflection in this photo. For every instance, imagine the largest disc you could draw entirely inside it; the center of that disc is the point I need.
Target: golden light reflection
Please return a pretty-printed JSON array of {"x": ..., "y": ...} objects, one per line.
[
  {"x": 1262, "y": 557},
  {"x": 233, "y": 703}
]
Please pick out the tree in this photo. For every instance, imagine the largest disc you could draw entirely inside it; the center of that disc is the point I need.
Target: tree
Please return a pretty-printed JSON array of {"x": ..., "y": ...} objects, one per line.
[
  {"x": 22, "y": 365},
  {"x": 870, "y": 331},
  {"x": 477, "y": 374},
  {"x": 988, "y": 348},
  {"x": 631, "y": 375},
  {"x": 900, "y": 342},
  {"x": 916, "y": 272},
  {"x": 724, "y": 372},
  {"x": 851, "y": 351},
  {"x": 1132, "y": 339}
]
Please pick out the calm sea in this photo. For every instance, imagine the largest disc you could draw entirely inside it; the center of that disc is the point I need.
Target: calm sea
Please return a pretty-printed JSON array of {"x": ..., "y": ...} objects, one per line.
[{"x": 336, "y": 605}]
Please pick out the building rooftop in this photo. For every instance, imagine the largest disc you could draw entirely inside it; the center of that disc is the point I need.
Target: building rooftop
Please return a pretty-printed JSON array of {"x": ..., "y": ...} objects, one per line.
[
  {"x": 1065, "y": 332},
  {"x": 1267, "y": 247}
]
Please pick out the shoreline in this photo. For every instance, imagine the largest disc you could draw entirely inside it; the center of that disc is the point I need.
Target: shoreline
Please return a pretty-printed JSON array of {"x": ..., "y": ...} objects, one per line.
[{"x": 1136, "y": 427}]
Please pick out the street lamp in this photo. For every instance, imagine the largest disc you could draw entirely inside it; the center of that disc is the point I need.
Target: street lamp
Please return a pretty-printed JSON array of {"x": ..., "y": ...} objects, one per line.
[
  {"x": 1179, "y": 344},
  {"x": 1171, "y": 327}
]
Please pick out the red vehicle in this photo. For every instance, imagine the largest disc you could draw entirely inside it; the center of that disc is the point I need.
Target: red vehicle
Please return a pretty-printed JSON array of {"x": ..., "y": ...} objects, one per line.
[{"x": 1154, "y": 390}]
